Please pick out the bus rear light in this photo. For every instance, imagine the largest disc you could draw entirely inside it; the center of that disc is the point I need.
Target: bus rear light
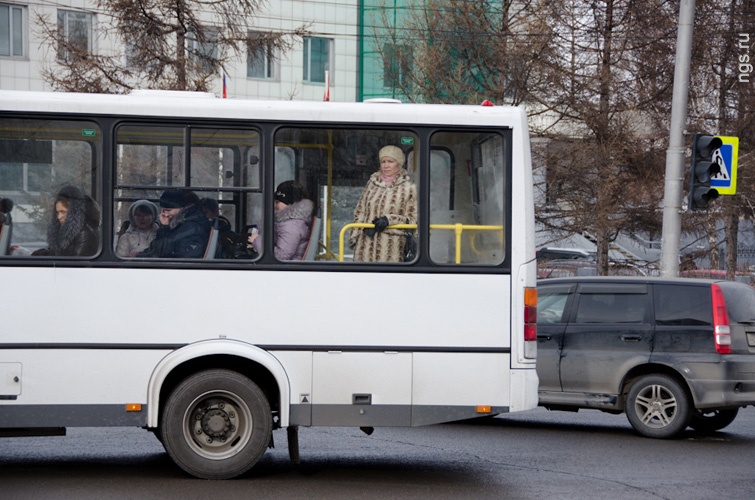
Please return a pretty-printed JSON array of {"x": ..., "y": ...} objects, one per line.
[
  {"x": 530, "y": 320},
  {"x": 530, "y": 332},
  {"x": 721, "y": 330}
]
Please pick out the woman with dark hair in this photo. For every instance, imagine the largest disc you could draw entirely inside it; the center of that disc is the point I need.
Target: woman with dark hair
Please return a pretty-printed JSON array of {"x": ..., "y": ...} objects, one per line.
[
  {"x": 70, "y": 233},
  {"x": 293, "y": 222}
]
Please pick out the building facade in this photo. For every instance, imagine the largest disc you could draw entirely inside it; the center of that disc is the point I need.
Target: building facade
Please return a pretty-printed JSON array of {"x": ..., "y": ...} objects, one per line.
[{"x": 339, "y": 58}]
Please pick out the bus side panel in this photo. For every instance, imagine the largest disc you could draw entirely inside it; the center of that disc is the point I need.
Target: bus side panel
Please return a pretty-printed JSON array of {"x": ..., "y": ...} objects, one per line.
[
  {"x": 449, "y": 386},
  {"x": 77, "y": 387},
  {"x": 298, "y": 366},
  {"x": 362, "y": 389}
]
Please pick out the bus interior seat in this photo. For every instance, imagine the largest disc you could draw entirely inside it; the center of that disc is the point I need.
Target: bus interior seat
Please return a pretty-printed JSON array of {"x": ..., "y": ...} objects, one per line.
[
  {"x": 5, "y": 233},
  {"x": 6, "y": 228},
  {"x": 212, "y": 243},
  {"x": 314, "y": 235}
]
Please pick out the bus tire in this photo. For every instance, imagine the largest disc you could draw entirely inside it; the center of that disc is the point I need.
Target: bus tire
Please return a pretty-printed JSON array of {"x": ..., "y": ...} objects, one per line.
[
  {"x": 216, "y": 424},
  {"x": 658, "y": 407}
]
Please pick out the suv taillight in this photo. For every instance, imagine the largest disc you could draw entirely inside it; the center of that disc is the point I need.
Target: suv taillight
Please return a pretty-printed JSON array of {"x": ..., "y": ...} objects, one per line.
[
  {"x": 530, "y": 322},
  {"x": 721, "y": 330}
]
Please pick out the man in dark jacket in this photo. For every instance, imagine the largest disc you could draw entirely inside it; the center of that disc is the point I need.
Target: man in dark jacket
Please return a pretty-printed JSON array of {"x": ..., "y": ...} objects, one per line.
[{"x": 184, "y": 230}]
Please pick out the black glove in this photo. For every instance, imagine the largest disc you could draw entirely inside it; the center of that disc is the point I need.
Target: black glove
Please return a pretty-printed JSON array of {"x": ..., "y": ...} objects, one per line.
[
  {"x": 369, "y": 231},
  {"x": 380, "y": 223}
]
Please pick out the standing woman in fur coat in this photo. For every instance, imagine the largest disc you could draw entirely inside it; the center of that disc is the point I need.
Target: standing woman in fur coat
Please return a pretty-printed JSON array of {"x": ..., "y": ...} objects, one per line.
[
  {"x": 70, "y": 233},
  {"x": 389, "y": 198}
]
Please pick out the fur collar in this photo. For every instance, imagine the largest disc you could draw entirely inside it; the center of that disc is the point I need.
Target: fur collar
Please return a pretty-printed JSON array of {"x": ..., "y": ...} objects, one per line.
[
  {"x": 402, "y": 177},
  {"x": 300, "y": 210}
]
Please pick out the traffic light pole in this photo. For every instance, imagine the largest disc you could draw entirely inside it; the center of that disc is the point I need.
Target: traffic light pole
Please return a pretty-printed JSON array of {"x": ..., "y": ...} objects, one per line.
[{"x": 672, "y": 196}]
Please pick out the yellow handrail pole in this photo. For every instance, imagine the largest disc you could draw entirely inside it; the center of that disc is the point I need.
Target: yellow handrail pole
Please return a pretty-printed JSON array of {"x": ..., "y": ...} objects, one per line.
[
  {"x": 343, "y": 231},
  {"x": 364, "y": 225},
  {"x": 458, "y": 228}
]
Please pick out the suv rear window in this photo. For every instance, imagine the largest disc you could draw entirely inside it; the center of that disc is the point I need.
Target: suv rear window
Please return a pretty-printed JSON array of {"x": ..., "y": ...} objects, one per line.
[
  {"x": 740, "y": 301},
  {"x": 683, "y": 305}
]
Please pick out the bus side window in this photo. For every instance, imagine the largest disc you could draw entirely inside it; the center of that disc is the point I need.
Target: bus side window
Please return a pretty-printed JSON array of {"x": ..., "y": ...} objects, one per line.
[
  {"x": 223, "y": 168},
  {"x": 335, "y": 165},
  {"x": 39, "y": 159},
  {"x": 467, "y": 189}
]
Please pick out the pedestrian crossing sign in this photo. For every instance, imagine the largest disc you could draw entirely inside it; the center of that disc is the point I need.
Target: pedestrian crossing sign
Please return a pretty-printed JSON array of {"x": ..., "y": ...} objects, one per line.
[{"x": 725, "y": 182}]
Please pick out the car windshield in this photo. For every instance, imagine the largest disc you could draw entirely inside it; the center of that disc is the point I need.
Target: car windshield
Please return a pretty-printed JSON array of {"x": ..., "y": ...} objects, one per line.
[{"x": 740, "y": 301}]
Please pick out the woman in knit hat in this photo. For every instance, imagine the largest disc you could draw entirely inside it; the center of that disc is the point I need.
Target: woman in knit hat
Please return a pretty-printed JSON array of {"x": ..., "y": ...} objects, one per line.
[
  {"x": 389, "y": 198},
  {"x": 293, "y": 222},
  {"x": 69, "y": 233},
  {"x": 142, "y": 229}
]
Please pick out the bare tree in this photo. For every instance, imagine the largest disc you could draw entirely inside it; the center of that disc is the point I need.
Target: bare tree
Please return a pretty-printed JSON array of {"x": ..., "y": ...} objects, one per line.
[
  {"x": 172, "y": 45},
  {"x": 611, "y": 76},
  {"x": 722, "y": 102},
  {"x": 463, "y": 51}
]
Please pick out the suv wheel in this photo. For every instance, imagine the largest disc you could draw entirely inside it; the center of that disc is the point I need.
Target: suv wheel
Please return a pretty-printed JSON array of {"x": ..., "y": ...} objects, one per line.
[
  {"x": 658, "y": 406},
  {"x": 712, "y": 420}
]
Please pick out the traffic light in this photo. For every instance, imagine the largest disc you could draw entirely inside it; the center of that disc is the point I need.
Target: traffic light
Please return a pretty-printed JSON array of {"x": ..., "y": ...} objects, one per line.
[{"x": 702, "y": 168}]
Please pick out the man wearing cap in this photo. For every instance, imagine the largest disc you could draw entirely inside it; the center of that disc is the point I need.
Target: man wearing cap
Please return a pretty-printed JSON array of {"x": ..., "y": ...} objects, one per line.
[{"x": 184, "y": 230}]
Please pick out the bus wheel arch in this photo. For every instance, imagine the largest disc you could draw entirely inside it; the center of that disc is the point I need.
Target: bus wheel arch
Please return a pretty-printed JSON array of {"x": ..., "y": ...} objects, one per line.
[{"x": 255, "y": 364}]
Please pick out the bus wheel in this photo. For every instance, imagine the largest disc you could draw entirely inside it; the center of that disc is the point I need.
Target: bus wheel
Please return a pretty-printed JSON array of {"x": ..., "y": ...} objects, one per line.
[
  {"x": 216, "y": 424},
  {"x": 658, "y": 407}
]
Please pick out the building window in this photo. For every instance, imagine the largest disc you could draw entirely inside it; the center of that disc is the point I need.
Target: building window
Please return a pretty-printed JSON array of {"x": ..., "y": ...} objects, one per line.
[
  {"x": 203, "y": 50},
  {"x": 317, "y": 59},
  {"x": 260, "y": 62},
  {"x": 397, "y": 61},
  {"x": 74, "y": 33},
  {"x": 12, "y": 30}
]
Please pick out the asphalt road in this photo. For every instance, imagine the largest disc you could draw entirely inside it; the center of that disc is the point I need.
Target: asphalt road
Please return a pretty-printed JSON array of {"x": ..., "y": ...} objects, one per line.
[{"x": 537, "y": 454}]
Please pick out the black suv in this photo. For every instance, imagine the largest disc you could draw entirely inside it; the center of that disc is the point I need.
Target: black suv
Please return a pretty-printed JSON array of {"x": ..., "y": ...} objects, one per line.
[{"x": 670, "y": 353}]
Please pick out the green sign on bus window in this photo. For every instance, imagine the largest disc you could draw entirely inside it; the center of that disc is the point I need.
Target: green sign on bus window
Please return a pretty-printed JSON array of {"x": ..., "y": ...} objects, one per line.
[
  {"x": 407, "y": 140},
  {"x": 88, "y": 132}
]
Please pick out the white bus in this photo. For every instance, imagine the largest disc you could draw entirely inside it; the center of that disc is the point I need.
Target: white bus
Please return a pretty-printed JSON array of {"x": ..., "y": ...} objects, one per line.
[{"x": 215, "y": 353}]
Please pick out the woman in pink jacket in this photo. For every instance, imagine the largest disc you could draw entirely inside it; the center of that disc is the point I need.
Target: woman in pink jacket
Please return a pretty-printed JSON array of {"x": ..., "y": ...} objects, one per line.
[{"x": 293, "y": 222}]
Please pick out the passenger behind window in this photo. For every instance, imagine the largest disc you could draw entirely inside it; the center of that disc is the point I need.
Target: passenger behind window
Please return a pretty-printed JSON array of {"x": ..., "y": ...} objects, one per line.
[
  {"x": 141, "y": 231},
  {"x": 70, "y": 232},
  {"x": 230, "y": 243},
  {"x": 389, "y": 198},
  {"x": 293, "y": 222},
  {"x": 211, "y": 210},
  {"x": 184, "y": 230}
]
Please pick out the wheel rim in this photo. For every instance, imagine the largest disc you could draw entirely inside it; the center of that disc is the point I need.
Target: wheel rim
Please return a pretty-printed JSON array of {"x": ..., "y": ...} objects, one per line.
[
  {"x": 217, "y": 425},
  {"x": 656, "y": 406}
]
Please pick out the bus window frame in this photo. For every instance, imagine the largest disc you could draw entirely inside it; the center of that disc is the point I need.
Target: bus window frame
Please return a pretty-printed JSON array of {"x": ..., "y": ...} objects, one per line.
[{"x": 266, "y": 130}]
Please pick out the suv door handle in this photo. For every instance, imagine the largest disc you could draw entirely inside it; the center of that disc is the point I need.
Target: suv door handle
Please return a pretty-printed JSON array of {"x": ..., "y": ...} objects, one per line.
[
  {"x": 631, "y": 338},
  {"x": 543, "y": 337}
]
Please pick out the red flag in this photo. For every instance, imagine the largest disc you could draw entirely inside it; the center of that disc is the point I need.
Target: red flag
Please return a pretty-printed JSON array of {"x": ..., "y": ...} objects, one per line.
[
  {"x": 326, "y": 96},
  {"x": 225, "y": 89}
]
